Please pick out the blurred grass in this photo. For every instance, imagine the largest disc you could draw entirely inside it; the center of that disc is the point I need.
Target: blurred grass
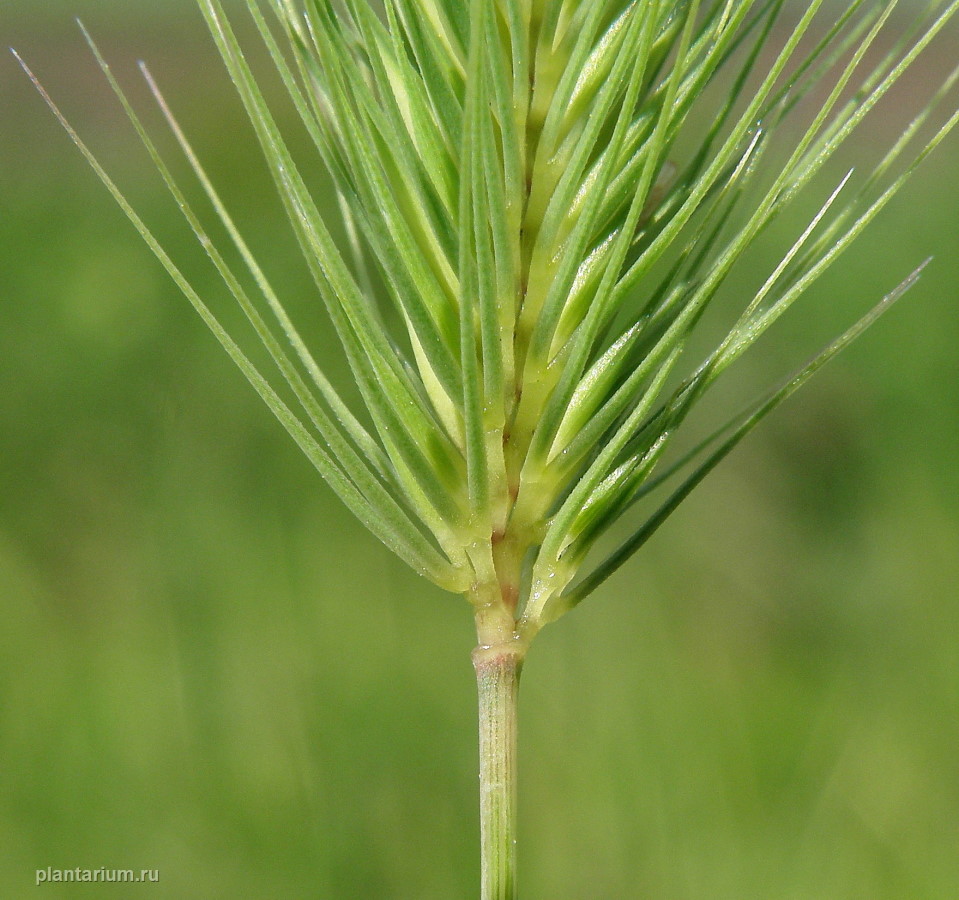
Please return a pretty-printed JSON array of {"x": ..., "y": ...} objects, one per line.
[{"x": 208, "y": 668}]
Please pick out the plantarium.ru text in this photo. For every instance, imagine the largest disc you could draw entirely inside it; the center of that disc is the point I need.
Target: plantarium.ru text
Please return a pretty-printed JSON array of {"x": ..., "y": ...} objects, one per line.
[{"x": 540, "y": 199}]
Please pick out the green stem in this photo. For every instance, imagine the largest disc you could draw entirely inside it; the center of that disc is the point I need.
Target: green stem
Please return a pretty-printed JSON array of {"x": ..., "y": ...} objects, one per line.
[{"x": 497, "y": 678}]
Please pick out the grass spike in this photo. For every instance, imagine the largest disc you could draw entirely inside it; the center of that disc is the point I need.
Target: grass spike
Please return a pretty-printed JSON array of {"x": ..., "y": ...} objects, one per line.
[{"x": 540, "y": 201}]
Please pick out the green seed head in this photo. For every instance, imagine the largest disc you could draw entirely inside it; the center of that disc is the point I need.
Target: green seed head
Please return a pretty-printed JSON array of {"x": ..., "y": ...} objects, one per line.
[{"x": 548, "y": 195}]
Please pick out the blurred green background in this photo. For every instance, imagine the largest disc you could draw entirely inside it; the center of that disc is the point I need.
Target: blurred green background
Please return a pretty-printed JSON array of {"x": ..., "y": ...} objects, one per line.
[{"x": 207, "y": 668}]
